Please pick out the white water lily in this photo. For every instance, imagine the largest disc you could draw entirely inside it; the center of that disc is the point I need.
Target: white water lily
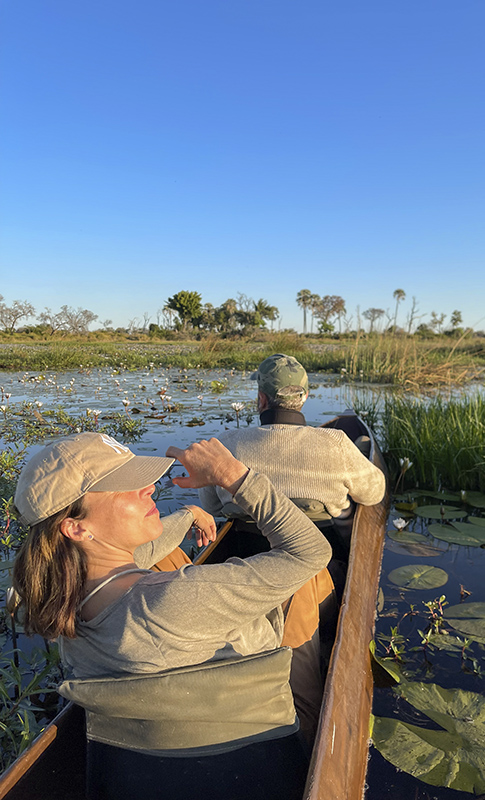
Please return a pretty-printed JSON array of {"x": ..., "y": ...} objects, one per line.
[
  {"x": 400, "y": 523},
  {"x": 237, "y": 407},
  {"x": 405, "y": 463}
]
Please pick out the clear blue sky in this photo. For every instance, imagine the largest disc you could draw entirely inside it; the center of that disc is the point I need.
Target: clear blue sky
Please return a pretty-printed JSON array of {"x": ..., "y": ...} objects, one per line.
[{"x": 251, "y": 146}]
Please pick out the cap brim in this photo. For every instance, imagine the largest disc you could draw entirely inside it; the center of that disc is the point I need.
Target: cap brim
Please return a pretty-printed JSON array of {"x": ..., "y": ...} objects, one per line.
[
  {"x": 136, "y": 473},
  {"x": 254, "y": 376}
]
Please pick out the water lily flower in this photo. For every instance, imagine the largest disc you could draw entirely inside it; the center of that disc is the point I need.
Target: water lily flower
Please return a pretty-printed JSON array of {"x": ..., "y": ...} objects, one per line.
[
  {"x": 400, "y": 523},
  {"x": 237, "y": 407},
  {"x": 405, "y": 464},
  {"x": 39, "y": 403}
]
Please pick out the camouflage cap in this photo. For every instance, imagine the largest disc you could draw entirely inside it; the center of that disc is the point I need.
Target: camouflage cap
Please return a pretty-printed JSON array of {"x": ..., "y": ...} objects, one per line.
[{"x": 279, "y": 373}]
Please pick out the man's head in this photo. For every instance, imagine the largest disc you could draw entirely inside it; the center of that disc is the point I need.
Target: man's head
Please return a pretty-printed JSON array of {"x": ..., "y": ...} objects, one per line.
[{"x": 282, "y": 381}]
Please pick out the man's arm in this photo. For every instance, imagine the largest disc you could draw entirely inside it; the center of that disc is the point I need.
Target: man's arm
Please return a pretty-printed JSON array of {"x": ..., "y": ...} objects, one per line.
[{"x": 366, "y": 483}]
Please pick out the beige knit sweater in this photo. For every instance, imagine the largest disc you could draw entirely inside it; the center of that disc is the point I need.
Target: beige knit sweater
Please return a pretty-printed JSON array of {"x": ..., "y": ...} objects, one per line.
[{"x": 303, "y": 462}]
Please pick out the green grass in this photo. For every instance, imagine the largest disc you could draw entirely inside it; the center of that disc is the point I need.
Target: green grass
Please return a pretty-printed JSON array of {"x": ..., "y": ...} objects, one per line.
[
  {"x": 400, "y": 361},
  {"x": 444, "y": 439}
]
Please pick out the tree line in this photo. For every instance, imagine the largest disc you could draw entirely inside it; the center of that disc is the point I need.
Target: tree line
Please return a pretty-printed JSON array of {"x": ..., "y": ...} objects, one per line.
[
  {"x": 185, "y": 311},
  {"x": 330, "y": 310}
]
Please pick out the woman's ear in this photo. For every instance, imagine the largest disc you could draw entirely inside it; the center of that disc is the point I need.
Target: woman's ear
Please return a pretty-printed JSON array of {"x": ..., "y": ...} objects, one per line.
[{"x": 74, "y": 529}]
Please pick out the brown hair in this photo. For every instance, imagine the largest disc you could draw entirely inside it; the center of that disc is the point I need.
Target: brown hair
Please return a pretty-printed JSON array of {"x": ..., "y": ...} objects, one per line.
[{"x": 49, "y": 575}]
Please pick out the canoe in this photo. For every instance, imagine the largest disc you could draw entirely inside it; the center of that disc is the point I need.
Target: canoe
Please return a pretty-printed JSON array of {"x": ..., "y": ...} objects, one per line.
[{"x": 52, "y": 768}]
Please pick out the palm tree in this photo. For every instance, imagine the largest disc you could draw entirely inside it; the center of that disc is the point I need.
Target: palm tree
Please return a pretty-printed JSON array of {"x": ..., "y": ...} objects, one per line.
[
  {"x": 398, "y": 294},
  {"x": 304, "y": 301}
]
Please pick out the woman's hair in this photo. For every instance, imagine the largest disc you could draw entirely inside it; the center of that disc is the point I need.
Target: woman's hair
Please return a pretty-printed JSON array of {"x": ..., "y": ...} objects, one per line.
[{"x": 49, "y": 575}]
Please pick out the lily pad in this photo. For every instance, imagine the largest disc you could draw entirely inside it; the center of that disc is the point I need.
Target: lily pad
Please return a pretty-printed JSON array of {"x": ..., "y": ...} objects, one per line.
[
  {"x": 414, "y": 549},
  {"x": 459, "y": 533},
  {"x": 418, "y": 576},
  {"x": 440, "y": 512},
  {"x": 452, "y": 496},
  {"x": 480, "y": 521},
  {"x": 409, "y": 507},
  {"x": 468, "y": 619},
  {"x": 454, "y": 756},
  {"x": 475, "y": 499},
  {"x": 407, "y": 536}
]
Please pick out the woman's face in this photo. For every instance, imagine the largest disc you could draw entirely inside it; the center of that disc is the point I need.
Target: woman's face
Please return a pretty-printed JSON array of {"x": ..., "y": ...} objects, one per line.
[{"x": 122, "y": 520}]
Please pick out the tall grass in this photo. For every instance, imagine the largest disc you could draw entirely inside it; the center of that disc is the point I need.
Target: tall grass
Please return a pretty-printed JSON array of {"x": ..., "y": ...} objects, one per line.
[
  {"x": 444, "y": 439},
  {"x": 400, "y": 361}
]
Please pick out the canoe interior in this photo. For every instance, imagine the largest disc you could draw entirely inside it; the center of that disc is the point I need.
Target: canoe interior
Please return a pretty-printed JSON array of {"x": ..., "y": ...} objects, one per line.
[{"x": 53, "y": 767}]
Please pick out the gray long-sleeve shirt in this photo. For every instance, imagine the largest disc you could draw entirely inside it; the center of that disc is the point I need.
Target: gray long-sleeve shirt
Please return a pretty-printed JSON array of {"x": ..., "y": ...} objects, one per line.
[{"x": 207, "y": 612}]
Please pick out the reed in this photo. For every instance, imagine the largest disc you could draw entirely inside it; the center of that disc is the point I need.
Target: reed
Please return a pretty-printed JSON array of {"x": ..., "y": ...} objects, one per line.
[
  {"x": 443, "y": 438},
  {"x": 400, "y": 361}
]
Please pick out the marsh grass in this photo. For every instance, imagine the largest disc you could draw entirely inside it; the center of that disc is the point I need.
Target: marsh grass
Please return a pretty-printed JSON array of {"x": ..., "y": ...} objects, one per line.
[
  {"x": 443, "y": 438},
  {"x": 397, "y": 360}
]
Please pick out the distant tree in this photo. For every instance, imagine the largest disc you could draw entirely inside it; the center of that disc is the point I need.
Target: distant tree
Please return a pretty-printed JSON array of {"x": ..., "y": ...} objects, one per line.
[
  {"x": 68, "y": 319},
  {"x": 326, "y": 308},
  {"x": 456, "y": 319},
  {"x": 413, "y": 315},
  {"x": 77, "y": 320},
  {"x": 188, "y": 306},
  {"x": 373, "y": 314},
  {"x": 10, "y": 316},
  {"x": 314, "y": 302},
  {"x": 146, "y": 320},
  {"x": 265, "y": 311},
  {"x": 225, "y": 315},
  {"x": 398, "y": 294},
  {"x": 436, "y": 322},
  {"x": 106, "y": 324},
  {"x": 304, "y": 301}
]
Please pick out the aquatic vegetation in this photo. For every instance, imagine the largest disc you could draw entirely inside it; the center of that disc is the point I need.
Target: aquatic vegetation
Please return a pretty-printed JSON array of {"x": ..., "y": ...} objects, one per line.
[
  {"x": 418, "y": 576},
  {"x": 444, "y": 439},
  {"x": 452, "y": 756}
]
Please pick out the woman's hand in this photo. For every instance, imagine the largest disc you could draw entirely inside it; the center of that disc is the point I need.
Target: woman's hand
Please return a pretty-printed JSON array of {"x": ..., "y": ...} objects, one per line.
[
  {"x": 209, "y": 463},
  {"x": 203, "y": 526}
]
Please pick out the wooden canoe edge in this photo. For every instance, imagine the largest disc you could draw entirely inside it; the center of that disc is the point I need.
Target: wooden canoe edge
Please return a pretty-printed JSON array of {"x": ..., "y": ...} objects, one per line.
[
  {"x": 339, "y": 759},
  {"x": 22, "y": 764}
]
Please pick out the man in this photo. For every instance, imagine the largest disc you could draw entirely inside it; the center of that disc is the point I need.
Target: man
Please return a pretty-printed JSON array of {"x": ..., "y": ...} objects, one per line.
[
  {"x": 314, "y": 466},
  {"x": 301, "y": 461}
]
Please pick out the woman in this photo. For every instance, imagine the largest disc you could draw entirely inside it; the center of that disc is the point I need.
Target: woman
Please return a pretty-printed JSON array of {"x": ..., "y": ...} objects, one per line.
[{"x": 83, "y": 576}]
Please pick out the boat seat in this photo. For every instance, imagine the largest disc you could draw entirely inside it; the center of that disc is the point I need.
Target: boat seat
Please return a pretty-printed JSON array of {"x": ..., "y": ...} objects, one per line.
[{"x": 200, "y": 709}]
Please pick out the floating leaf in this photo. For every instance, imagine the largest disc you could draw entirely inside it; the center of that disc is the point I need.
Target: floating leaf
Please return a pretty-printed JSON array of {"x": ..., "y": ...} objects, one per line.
[
  {"x": 449, "y": 643},
  {"x": 414, "y": 549},
  {"x": 418, "y": 576},
  {"x": 407, "y": 536},
  {"x": 440, "y": 512},
  {"x": 7, "y": 564},
  {"x": 475, "y": 499},
  {"x": 453, "y": 757},
  {"x": 469, "y": 619},
  {"x": 480, "y": 521},
  {"x": 405, "y": 506},
  {"x": 452, "y": 496},
  {"x": 380, "y": 599},
  {"x": 385, "y": 670},
  {"x": 459, "y": 533}
]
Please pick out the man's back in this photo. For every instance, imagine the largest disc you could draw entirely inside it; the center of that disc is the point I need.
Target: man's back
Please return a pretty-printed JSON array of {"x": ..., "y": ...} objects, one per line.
[{"x": 303, "y": 462}]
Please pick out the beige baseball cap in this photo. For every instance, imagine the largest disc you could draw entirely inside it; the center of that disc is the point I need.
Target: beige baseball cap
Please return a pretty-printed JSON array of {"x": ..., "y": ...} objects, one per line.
[{"x": 65, "y": 470}]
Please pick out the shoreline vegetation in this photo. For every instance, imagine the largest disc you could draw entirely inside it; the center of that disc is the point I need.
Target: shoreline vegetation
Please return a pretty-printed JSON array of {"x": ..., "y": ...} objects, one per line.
[{"x": 404, "y": 361}]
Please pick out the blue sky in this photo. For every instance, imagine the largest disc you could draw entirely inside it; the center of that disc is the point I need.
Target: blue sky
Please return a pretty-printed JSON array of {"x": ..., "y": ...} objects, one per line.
[{"x": 244, "y": 146}]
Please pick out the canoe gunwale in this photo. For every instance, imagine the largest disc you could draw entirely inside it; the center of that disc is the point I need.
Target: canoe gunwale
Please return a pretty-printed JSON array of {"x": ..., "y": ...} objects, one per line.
[{"x": 340, "y": 754}]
